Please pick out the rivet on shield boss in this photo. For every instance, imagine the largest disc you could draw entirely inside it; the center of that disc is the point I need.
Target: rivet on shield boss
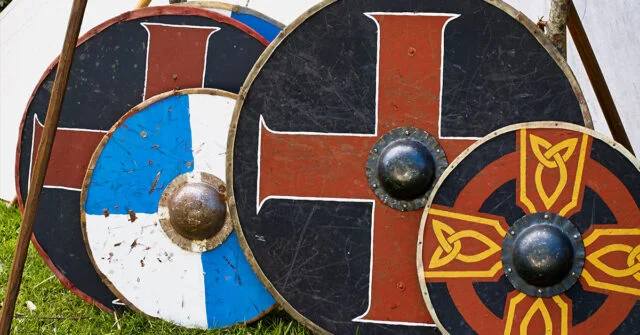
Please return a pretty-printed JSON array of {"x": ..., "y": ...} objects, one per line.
[
  {"x": 117, "y": 65},
  {"x": 344, "y": 130},
  {"x": 177, "y": 257},
  {"x": 534, "y": 229}
]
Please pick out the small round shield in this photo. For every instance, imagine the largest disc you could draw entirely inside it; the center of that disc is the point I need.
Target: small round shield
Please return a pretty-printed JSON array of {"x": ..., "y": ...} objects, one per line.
[
  {"x": 345, "y": 125},
  {"x": 533, "y": 229},
  {"x": 154, "y": 214},
  {"x": 117, "y": 65}
]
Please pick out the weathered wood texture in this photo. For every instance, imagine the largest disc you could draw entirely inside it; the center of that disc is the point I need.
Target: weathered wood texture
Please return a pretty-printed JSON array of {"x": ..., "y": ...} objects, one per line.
[
  {"x": 557, "y": 25},
  {"x": 40, "y": 168}
]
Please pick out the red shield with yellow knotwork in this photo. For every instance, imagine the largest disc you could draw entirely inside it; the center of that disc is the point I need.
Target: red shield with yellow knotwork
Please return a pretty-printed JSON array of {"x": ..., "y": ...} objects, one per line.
[{"x": 535, "y": 229}]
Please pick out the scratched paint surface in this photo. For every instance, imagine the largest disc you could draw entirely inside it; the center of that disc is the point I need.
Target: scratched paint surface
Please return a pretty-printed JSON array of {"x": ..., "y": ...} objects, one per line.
[
  {"x": 338, "y": 256},
  {"x": 209, "y": 290}
]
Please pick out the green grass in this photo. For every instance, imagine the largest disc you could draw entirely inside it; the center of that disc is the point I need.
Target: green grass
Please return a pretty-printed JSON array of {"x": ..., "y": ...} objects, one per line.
[{"x": 59, "y": 311}]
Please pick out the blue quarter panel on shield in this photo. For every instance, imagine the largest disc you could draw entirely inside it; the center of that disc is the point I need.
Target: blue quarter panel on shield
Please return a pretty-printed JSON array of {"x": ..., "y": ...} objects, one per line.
[
  {"x": 264, "y": 28},
  {"x": 158, "y": 144},
  {"x": 231, "y": 286}
]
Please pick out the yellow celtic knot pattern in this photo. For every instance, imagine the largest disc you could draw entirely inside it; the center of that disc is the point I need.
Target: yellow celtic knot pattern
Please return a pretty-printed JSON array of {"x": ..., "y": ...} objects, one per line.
[
  {"x": 450, "y": 246},
  {"x": 552, "y": 158},
  {"x": 632, "y": 261},
  {"x": 537, "y": 307}
]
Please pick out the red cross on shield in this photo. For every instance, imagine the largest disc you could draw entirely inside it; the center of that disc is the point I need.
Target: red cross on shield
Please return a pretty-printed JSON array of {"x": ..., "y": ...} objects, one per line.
[
  {"x": 331, "y": 166},
  {"x": 174, "y": 65}
]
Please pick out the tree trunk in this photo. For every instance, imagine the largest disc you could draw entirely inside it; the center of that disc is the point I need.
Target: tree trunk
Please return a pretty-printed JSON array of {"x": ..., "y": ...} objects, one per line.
[{"x": 557, "y": 25}]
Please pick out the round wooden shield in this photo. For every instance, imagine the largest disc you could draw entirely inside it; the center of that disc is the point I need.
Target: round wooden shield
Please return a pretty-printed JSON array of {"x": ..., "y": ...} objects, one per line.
[
  {"x": 344, "y": 125},
  {"x": 117, "y": 65},
  {"x": 534, "y": 230},
  {"x": 152, "y": 174}
]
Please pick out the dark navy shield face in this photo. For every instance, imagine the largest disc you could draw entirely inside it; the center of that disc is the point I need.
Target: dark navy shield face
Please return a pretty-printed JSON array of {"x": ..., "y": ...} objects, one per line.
[
  {"x": 339, "y": 254},
  {"x": 118, "y": 65}
]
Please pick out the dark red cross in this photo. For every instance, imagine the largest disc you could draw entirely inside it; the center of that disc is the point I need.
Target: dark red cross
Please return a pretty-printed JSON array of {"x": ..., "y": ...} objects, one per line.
[
  {"x": 175, "y": 59},
  {"x": 333, "y": 166}
]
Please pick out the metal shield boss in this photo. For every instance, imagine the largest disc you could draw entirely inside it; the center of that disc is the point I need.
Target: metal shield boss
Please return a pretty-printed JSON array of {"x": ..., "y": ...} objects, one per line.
[
  {"x": 346, "y": 125},
  {"x": 534, "y": 229},
  {"x": 155, "y": 218},
  {"x": 117, "y": 65}
]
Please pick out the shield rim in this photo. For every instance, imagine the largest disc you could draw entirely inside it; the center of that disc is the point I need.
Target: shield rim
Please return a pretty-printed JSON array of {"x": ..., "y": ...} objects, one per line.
[
  {"x": 506, "y": 8},
  {"x": 508, "y": 129},
  {"x": 89, "y": 173},
  {"x": 127, "y": 16}
]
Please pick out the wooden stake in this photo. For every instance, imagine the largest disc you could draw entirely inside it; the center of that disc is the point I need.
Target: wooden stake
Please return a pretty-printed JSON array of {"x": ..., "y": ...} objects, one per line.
[
  {"x": 42, "y": 160},
  {"x": 596, "y": 77}
]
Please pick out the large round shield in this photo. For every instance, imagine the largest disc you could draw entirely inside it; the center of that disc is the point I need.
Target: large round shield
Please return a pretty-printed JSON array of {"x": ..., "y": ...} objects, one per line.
[
  {"x": 534, "y": 230},
  {"x": 344, "y": 125},
  {"x": 116, "y": 66},
  {"x": 155, "y": 219}
]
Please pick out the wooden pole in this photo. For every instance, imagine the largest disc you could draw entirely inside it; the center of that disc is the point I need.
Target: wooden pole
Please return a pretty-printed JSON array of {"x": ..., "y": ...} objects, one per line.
[
  {"x": 594, "y": 72},
  {"x": 42, "y": 160}
]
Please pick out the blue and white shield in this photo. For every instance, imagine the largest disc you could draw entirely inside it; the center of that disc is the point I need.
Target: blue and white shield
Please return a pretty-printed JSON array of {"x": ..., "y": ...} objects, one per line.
[{"x": 170, "y": 136}]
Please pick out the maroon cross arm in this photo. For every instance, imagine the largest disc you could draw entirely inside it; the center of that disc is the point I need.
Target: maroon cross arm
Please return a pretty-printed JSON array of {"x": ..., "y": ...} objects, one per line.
[
  {"x": 332, "y": 166},
  {"x": 175, "y": 60}
]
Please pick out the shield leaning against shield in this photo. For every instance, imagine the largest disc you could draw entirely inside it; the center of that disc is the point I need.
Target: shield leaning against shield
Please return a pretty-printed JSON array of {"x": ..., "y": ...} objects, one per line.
[
  {"x": 117, "y": 65},
  {"x": 534, "y": 229},
  {"x": 154, "y": 214},
  {"x": 343, "y": 128}
]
